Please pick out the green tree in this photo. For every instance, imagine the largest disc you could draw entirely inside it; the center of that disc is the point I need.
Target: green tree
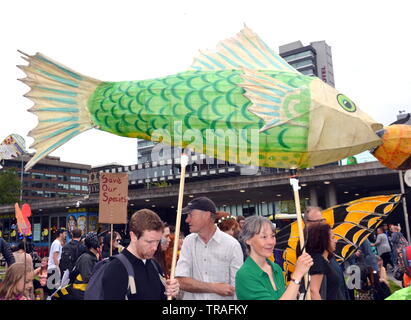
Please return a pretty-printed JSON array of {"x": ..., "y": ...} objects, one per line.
[{"x": 9, "y": 186}]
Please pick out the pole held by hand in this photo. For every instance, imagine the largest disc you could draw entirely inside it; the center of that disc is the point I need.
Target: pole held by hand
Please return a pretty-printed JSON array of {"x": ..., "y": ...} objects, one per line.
[
  {"x": 296, "y": 187},
  {"x": 184, "y": 162}
]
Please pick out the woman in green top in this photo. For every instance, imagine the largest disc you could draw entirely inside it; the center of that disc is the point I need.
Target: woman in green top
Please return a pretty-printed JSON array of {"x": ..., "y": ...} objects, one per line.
[{"x": 259, "y": 278}]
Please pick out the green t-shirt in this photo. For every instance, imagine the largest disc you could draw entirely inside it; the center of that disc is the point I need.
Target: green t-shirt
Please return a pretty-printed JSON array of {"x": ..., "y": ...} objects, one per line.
[{"x": 252, "y": 283}]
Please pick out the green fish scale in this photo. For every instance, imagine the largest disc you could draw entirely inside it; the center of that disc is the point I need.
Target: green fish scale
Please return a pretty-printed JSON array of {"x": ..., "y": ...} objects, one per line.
[{"x": 200, "y": 100}]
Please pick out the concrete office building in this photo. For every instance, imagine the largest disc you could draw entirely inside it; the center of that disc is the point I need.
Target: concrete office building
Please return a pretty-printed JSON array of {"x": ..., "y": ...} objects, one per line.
[
  {"x": 312, "y": 60},
  {"x": 51, "y": 178}
]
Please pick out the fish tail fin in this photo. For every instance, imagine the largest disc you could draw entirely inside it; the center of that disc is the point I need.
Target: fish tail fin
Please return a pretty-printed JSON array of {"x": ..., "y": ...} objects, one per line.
[{"x": 60, "y": 98}]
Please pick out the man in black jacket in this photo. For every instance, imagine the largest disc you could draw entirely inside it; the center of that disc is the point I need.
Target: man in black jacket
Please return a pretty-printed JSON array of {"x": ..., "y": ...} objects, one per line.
[
  {"x": 5, "y": 250},
  {"x": 82, "y": 271}
]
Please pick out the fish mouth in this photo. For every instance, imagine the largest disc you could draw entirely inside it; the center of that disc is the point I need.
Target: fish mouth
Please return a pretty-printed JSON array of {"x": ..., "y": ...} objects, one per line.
[{"x": 376, "y": 126}]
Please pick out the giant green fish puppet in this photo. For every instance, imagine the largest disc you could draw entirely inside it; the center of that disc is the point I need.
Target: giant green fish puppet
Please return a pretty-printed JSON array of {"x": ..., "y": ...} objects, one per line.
[{"x": 240, "y": 103}]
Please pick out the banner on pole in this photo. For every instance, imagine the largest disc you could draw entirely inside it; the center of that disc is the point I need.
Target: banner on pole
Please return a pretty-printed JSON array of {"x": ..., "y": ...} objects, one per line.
[{"x": 113, "y": 198}]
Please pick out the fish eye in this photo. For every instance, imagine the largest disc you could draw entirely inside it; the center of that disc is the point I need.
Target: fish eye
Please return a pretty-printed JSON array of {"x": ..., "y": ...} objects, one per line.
[{"x": 346, "y": 103}]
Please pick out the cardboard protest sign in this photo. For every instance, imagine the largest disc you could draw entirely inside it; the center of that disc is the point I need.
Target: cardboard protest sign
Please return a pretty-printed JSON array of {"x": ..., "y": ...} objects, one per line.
[{"x": 113, "y": 198}]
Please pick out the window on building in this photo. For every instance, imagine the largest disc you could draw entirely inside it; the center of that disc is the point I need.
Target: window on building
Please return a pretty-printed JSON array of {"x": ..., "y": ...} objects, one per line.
[
  {"x": 36, "y": 175},
  {"x": 305, "y": 54},
  {"x": 75, "y": 179},
  {"x": 304, "y": 63}
]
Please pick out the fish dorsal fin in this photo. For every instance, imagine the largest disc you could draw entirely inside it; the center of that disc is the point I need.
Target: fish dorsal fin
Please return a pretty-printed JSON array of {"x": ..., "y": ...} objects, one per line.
[
  {"x": 245, "y": 50},
  {"x": 268, "y": 96}
]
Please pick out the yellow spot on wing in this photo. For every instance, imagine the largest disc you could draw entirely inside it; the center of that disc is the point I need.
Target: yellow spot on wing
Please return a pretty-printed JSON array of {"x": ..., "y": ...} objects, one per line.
[
  {"x": 373, "y": 221},
  {"x": 344, "y": 251},
  {"x": 358, "y": 235}
]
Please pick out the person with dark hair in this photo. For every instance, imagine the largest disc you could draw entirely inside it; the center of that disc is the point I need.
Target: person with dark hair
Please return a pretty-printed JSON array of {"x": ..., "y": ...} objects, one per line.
[
  {"x": 383, "y": 247},
  {"x": 313, "y": 216},
  {"x": 72, "y": 251},
  {"x": 209, "y": 258},
  {"x": 259, "y": 278},
  {"x": 365, "y": 290},
  {"x": 116, "y": 244},
  {"x": 5, "y": 250},
  {"x": 56, "y": 250},
  {"x": 86, "y": 262},
  {"x": 146, "y": 231},
  {"x": 21, "y": 255},
  {"x": 325, "y": 281},
  {"x": 83, "y": 269},
  {"x": 40, "y": 280},
  {"x": 399, "y": 242},
  {"x": 160, "y": 255},
  {"x": 241, "y": 221}
]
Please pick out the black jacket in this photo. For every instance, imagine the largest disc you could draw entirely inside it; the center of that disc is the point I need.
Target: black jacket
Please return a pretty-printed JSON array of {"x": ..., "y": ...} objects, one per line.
[
  {"x": 5, "y": 250},
  {"x": 85, "y": 264},
  {"x": 146, "y": 275}
]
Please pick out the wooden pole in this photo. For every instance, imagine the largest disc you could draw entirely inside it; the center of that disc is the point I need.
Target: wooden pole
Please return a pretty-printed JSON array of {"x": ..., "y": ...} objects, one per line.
[
  {"x": 296, "y": 187},
  {"x": 25, "y": 265},
  {"x": 111, "y": 240},
  {"x": 184, "y": 161}
]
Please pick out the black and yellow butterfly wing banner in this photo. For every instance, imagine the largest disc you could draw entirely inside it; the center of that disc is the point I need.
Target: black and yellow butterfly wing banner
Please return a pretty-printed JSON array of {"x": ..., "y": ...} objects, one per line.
[{"x": 351, "y": 222}]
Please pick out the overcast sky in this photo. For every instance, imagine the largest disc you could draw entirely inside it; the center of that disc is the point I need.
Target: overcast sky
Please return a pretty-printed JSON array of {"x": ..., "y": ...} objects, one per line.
[{"x": 135, "y": 40}]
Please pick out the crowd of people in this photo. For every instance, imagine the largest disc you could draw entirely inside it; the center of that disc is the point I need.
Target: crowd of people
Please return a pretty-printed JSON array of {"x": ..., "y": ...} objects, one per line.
[{"x": 222, "y": 258}]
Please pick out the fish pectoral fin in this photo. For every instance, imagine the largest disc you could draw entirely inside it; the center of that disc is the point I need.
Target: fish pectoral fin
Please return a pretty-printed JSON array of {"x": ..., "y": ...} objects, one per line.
[
  {"x": 268, "y": 96},
  {"x": 247, "y": 50}
]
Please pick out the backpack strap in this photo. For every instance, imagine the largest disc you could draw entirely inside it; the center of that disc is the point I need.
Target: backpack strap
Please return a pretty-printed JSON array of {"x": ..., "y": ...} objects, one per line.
[
  {"x": 130, "y": 271},
  {"x": 160, "y": 275},
  {"x": 154, "y": 263}
]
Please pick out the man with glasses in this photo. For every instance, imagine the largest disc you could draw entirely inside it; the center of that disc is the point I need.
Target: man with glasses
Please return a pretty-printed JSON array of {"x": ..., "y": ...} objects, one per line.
[
  {"x": 312, "y": 216},
  {"x": 209, "y": 258}
]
